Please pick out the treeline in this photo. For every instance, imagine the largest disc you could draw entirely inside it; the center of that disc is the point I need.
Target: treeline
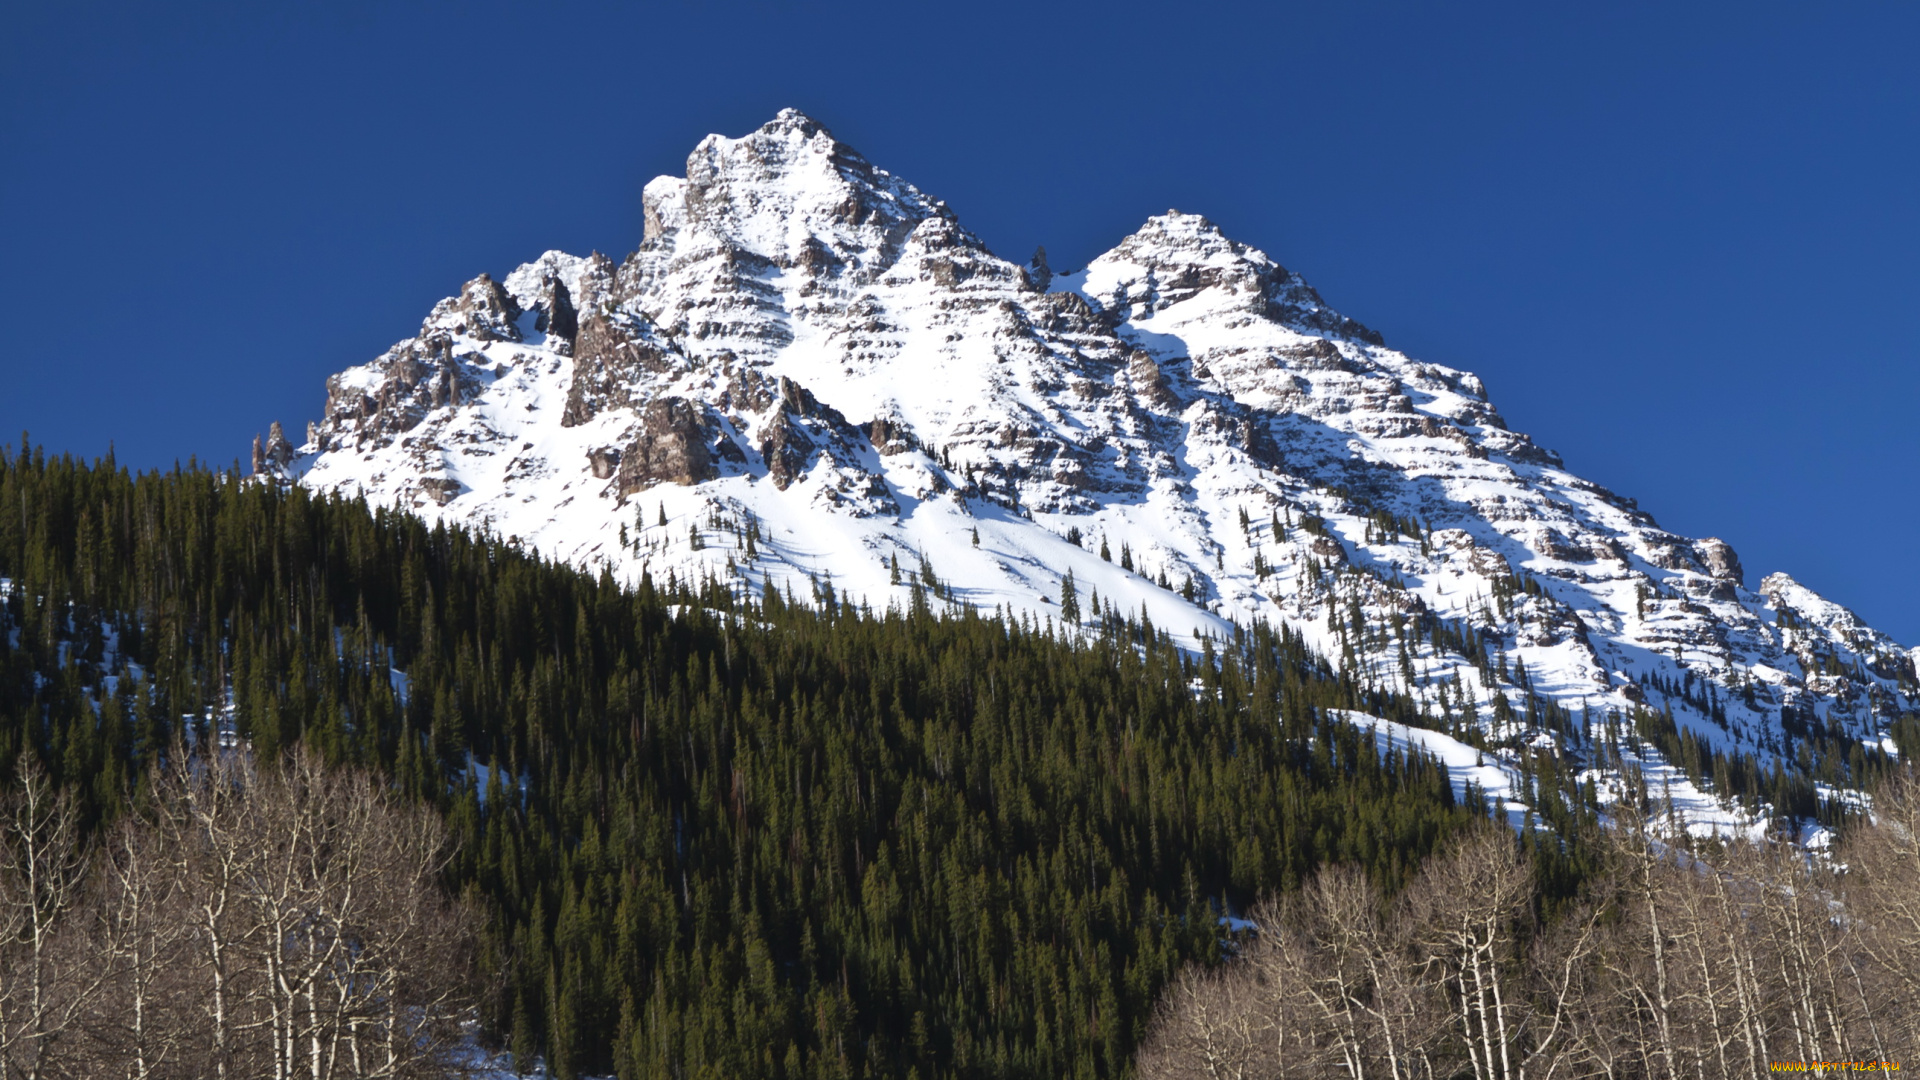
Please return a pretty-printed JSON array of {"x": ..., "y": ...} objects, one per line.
[
  {"x": 1787, "y": 791},
  {"x": 1685, "y": 957},
  {"x": 713, "y": 837}
]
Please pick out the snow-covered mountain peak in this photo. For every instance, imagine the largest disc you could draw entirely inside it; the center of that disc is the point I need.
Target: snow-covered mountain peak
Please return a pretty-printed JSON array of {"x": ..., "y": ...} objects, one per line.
[
  {"x": 789, "y": 192},
  {"x": 530, "y": 284},
  {"x": 821, "y": 381},
  {"x": 1181, "y": 260}
]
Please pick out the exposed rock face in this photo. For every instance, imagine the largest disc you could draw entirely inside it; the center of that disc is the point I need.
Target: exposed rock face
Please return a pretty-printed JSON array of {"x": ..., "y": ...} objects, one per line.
[
  {"x": 557, "y": 319},
  {"x": 800, "y": 437},
  {"x": 441, "y": 489},
  {"x": 889, "y": 435},
  {"x": 1720, "y": 560},
  {"x": 275, "y": 455},
  {"x": 1148, "y": 383},
  {"x": 603, "y": 460},
  {"x": 1253, "y": 452},
  {"x": 613, "y": 356},
  {"x": 483, "y": 312},
  {"x": 397, "y": 391},
  {"x": 785, "y": 448},
  {"x": 1038, "y": 271},
  {"x": 671, "y": 447},
  {"x": 279, "y": 452}
]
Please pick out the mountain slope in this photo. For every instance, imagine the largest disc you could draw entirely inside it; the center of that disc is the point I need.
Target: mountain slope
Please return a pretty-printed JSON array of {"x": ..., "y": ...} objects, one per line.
[{"x": 816, "y": 378}]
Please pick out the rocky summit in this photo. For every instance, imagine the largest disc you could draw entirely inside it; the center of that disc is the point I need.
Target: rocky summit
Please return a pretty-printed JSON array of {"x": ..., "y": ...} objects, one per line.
[{"x": 810, "y": 376}]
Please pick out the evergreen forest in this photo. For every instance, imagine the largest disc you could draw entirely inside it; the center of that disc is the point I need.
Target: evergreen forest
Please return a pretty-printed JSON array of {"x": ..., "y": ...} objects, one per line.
[{"x": 705, "y": 834}]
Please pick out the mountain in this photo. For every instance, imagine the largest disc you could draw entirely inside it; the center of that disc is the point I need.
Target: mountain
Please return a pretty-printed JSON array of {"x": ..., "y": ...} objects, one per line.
[{"x": 810, "y": 376}]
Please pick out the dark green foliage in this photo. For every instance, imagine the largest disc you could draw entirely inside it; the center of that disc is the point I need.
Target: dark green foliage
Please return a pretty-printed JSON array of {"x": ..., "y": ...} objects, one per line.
[{"x": 717, "y": 838}]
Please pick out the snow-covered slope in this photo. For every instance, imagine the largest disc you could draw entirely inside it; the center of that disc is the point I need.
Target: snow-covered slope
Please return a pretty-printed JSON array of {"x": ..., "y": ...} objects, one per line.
[{"x": 817, "y": 378}]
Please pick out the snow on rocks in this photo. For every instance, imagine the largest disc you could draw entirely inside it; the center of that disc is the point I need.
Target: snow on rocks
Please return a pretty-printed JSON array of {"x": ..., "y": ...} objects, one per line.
[{"x": 811, "y": 373}]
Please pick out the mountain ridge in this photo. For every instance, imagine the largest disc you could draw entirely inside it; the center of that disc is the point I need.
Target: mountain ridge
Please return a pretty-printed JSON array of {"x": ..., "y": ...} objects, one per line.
[{"x": 818, "y": 379}]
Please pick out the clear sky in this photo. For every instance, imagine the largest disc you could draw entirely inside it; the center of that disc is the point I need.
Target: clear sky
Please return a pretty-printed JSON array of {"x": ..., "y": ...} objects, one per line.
[{"x": 1676, "y": 240}]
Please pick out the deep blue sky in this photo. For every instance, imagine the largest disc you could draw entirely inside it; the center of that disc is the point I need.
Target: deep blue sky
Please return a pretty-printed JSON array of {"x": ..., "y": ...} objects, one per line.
[{"x": 1677, "y": 241}]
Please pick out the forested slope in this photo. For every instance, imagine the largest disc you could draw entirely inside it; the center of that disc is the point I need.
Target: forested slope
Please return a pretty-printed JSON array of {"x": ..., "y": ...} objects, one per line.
[{"x": 711, "y": 836}]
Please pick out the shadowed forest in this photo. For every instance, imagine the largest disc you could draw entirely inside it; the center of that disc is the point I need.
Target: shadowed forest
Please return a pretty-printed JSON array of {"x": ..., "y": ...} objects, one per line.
[{"x": 300, "y": 786}]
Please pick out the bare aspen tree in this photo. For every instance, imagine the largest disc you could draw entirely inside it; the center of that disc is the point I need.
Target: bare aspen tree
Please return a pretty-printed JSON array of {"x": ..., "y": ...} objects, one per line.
[
  {"x": 324, "y": 931},
  {"x": 1590, "y": 1015},
  {"x": 1735, "y": 947},
  {"x": 346, "y": 895},
  {"x": 45, "y": 983},
  {"x": 1466, "y": 903},
  {"x": 1689, "y": 958},
  {"x": 1282, "y": 963},
  {"x": 1881, "y": 894},
  {"x": 208, "y": 830},
  {"x": 1390, "y": 1014},
  {"x": 1643, "y": 969},
  {"x": 283, "y": 922},
  {"x": 141, "y": 938},
  {"x": 1304, "y": 998},
  {"x": 1556, "y": 984},
  {"x": 1213, "y": 1025},
  {"x": 1799, "y": 944},
  {"x": 1700, "y": 954},
  {"x": 1316, "y": 1011}
]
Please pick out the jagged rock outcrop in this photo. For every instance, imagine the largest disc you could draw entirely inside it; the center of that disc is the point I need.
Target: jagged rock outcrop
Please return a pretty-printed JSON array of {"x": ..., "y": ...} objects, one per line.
[
  {"x": 603, "y": 461},
  {"x": 484, "y": 312},
  {"x": 614, "y": 356},
  {"x": 1148, "y": 383},
  {"x": 1038, "y": 272},
  {"x": 1176, "y": 257},
  {"x": 670, "y": 447},
  {"x": 890, "y": 435},
  {"x": 275, "y": 455},
  {"x": 557, "y": 317},
  {"x": 1720, "y": 561},
  {"x": 440, "y": 489},
  {"x": 437, "y": 369}
]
